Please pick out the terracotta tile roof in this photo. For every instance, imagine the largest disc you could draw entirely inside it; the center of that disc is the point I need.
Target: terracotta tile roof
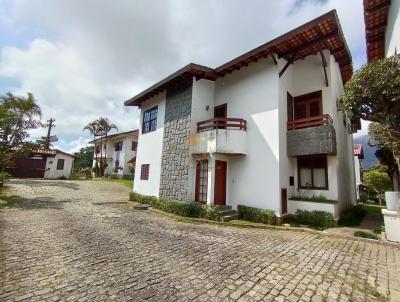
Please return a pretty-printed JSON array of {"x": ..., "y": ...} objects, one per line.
[
  {"x": 375, "y": 16},
  {"x": 319, "y": 34},
  {"x": 132, "y": 160}
]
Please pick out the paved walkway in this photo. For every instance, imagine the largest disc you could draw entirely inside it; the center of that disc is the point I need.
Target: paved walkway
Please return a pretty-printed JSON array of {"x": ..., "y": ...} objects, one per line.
[{"x": 77, "y": 241}]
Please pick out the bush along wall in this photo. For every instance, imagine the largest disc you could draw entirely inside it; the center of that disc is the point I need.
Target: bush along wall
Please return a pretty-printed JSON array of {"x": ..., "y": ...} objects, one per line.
[
  {"x": 317, "y": 219},
  {"x": 184, "y": 209},
  {"x": 257, "y": 215}
]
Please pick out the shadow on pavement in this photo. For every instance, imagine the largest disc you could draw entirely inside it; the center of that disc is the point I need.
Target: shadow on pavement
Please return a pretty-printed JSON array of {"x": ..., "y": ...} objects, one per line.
[
  {"x": 45, "y": 183},
  {"x": 32, "y": 203}
]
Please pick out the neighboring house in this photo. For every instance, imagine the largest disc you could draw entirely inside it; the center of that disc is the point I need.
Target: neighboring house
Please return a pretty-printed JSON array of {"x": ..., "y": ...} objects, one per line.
[
  {"x": 358, "y": 153},
  {"x": 382, "y": 28},
  {"x": 119, "y": 150},
  {"x": 262, "y": 127},
  {"x": 43, "y": 163}
]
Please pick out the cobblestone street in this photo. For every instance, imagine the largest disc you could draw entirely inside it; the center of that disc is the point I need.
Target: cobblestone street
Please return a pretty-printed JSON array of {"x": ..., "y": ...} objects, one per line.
[{"x": 78, "y": 241}]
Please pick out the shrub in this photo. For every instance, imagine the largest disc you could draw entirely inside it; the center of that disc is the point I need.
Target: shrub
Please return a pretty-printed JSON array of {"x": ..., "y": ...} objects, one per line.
[
  {"x": 378, "y": 229},
  {"x": 316, "y": 219},
  {"x": 257, "y": 215},
  {"x": 353, "y": 217},
  {"x": 113, "y": 176},
  {"x": 314, "y": 198},
  {"x": 176, "y": 207},
  {"x": 365, "y": 235}
]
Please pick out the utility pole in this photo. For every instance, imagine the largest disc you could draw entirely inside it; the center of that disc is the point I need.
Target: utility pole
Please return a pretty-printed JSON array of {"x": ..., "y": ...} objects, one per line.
[{"x": 50, "y": 125}]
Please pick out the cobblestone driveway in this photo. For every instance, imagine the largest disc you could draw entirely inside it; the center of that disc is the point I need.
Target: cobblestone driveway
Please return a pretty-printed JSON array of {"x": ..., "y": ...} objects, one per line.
[{"x": 76, "y": 241}]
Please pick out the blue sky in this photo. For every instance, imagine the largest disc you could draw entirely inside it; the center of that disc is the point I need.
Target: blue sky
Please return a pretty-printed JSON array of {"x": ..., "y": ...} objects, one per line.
[{"x": 82, "y": 59}]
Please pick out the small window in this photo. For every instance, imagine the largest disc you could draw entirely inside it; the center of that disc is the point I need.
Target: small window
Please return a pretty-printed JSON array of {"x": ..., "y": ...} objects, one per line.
[
  {"x": 144, "y": 172},
  {"x": 60, "y": 164},
  {"x": 312, "y": 173},
  {"x": 118, "y": 146},
  {"x": 201, "y": 181},
  {"x": 97, "y": 149},
  {"x": 134, "y": 146},
  {"x": 150, "y": 120},
  {"x": 116, "y": 166}
]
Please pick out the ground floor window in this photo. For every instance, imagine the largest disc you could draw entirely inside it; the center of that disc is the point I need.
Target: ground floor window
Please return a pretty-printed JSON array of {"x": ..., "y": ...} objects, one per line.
[
  {"x": 144, "y": 172},
  {"x": 313, "y": 172},
  {"x": 201, "y": 180},
  {"x": 60, "y": 164}
]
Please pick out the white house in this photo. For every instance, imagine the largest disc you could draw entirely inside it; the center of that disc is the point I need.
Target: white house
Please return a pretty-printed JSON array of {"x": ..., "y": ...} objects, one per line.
[
  {"x": 59, "y": 166},
  {"x": 119, "y": 150},
  {"x": 257, "y": 130},
  {"x": 382, "y": 27}
]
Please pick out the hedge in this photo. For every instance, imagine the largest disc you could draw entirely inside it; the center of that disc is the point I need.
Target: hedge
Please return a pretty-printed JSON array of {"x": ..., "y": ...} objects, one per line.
[
  {"x": 353, "y": 216},
  {"x": 177, "y": 207},
  {"x": 257, "y": 215},
  {"x": 2, "y": 178},
  {"x": 316, "y": 219}
]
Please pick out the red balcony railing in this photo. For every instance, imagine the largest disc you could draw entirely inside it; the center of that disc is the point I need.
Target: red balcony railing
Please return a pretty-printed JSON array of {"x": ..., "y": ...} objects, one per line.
[
  {"x": 309, "y": 122},
  {"x": 222, "y": 123}
]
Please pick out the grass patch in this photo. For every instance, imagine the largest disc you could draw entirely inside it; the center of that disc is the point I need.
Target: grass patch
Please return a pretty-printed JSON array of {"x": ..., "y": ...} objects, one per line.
[
  {"x": 365, "y": 235},
  {"x": 353, "y": 217},
  {"x": 373, "y": 209}
]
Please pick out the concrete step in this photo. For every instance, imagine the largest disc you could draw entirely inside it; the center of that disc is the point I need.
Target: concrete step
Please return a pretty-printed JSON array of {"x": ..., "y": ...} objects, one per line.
[{"x": 229, "y": 217}]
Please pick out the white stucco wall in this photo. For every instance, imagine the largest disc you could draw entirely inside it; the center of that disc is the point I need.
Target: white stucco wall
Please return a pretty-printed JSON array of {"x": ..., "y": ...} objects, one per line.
[
  {"x": 306, "y": 76},
  {"x": 392, "y": 35},
  {"x": 125, "y": 155},
  {"x": 150, "y": 149},
  {"x": 251, "y": 93},
  {"x": 51, "y": 171}
]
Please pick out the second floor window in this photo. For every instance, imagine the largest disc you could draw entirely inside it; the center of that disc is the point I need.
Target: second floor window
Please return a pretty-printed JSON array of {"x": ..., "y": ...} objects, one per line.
[
  {"x": 118, "y": 146},
  {"x": 134, "y": 146},
  {"x": 150, "y": 120},
  {"x": 97, "y": 149},
  {"x": 308, "y": 105}
]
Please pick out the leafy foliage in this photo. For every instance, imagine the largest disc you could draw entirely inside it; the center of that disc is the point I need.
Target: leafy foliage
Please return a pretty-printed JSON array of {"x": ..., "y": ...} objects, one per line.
[
  {"x": 373, "y": 94},
  {"x": 257, "y": 215},
  {"x": 85, "y": 158},
  {"x": 179, "y": 208},
  {"x": 313, "y": 198},
  {"x": 18, "y": 115},
  {"x": 377, "y": 181},
  {"x": 316, "y": 219}
]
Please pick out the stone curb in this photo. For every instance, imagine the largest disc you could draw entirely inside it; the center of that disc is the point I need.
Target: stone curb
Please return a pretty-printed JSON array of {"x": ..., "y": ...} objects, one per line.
[{"x": 272, "y": 227}]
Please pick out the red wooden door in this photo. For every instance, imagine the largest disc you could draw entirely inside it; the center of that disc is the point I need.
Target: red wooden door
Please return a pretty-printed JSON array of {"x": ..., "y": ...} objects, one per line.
[{"x": 220, "y": 183}]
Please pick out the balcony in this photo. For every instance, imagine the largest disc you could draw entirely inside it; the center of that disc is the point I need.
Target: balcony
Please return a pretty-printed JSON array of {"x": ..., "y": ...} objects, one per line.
[
  {"x": 311, "y": 136},
  {"x": 220, "y": 135}
]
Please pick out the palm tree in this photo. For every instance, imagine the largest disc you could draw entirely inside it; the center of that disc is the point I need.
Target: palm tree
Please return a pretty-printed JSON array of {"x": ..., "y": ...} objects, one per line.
[
  {"x": 93, "y": 128},
  {"x": 105, "y": 126}
]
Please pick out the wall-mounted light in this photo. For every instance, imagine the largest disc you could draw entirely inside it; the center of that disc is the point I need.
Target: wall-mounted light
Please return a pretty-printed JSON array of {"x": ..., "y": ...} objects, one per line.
[{"x": 207, "y": 108}]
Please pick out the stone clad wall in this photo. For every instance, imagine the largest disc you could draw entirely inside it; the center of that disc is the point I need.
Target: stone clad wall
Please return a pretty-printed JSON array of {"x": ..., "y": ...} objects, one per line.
[
  {"x": 311, "y": 141},
  {"x": 175, "y": 154}
]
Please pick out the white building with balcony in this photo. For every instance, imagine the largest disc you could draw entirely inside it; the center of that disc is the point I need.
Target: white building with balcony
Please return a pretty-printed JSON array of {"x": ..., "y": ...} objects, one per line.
[
  {"x": 259, "y": 130},
  {"x": 119, "y": 150}
]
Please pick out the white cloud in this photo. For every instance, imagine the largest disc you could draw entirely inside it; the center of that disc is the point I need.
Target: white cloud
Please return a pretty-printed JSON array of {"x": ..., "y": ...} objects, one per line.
[{"x": 86, "y": 57}]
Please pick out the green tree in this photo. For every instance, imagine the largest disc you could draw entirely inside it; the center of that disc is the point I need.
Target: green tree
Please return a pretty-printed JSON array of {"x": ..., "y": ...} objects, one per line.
[
  {"x": 85, "y": 158},
  {"x": 378, "y": 181},
  {"x": 386, "y": 159},
  {"x": 373, "y": 94},
  {"x": 18, "y": 115}
]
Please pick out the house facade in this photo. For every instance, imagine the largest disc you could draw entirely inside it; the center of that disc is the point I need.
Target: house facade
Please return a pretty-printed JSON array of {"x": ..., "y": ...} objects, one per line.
[
  {"x": 43, "y": 163},
  {"x": 119, "y": 150},
  {"x": 256, "y": 131}
]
